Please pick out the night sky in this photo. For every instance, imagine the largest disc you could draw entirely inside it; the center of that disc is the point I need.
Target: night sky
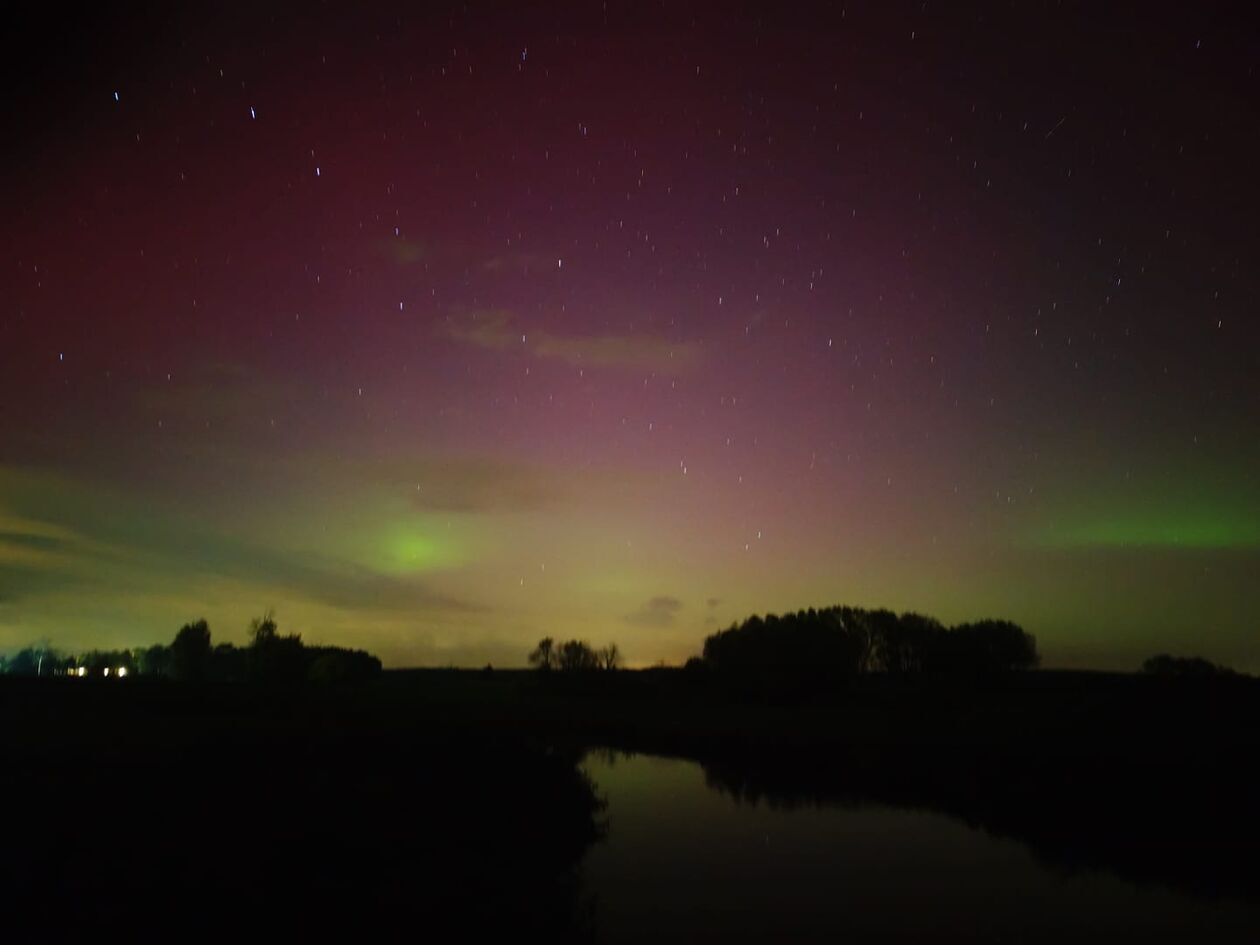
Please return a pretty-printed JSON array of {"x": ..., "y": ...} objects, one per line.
[{"x": 440, "y": 331}]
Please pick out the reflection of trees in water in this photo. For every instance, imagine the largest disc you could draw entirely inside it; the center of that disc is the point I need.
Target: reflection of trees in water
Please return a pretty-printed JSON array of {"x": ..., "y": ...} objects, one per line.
[
  {"x": 1111, "y": 819},
  {"x": 608, "y": 757},
  {"x": 744, "y": 788}
]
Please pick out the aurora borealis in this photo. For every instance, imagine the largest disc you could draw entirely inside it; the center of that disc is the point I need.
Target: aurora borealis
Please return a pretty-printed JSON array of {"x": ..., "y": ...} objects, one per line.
[{"x": 443, "y": 331}]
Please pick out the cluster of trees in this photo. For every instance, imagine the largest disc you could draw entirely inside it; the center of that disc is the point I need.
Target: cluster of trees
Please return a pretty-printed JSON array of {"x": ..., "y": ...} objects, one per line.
[
  {"x": 573, "y": 656},
  {"x": 821, "y": 649},
  {"x": 36, "y": 661},
  {"x": 270, "y": 657}
]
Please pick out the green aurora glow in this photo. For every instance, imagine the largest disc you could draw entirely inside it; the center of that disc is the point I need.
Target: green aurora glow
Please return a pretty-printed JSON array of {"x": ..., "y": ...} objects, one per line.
[{"x": 1180, "y": 530}]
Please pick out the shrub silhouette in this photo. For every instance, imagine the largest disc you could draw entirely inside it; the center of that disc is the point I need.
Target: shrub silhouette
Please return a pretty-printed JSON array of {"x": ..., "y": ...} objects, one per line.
[
  {"x": 1164, "y": 664},
  {"x": 543, "y": 656},
  {"x": 274, "y": 658},
  {"x": 329, "y": 664}
]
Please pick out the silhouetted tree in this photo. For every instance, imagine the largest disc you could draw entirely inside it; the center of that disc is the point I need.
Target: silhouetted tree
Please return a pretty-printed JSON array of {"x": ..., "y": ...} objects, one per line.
[
  {"x": 903, "y": 643},
  {"x": 262, "y": 630},
  {"x": 577, "y": 656},
  {"x": 543, "y": 656},
  {"x": 610, "y": 657},
  {"x": 855, "y": 623},
  {"x": 989, "y": 646},
  {"x": 274, "y": 658},
  {"x": 190, "y": 652},
  {"x": 155, "y": 660}
]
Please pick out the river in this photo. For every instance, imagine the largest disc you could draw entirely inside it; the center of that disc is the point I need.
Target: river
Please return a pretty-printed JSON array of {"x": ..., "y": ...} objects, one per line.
[{"x": 684, "y": 861}]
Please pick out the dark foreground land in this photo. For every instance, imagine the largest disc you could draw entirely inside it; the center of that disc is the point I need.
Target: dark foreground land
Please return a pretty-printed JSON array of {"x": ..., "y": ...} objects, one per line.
[
  {"x": 431, "y": 800},
  {"x": 147, "y": 810},
  {"x": 1148, "y": 777}
]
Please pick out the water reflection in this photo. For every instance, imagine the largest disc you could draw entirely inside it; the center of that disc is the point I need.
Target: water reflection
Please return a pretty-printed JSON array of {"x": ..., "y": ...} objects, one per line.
[{"x": 702, "y": 855}]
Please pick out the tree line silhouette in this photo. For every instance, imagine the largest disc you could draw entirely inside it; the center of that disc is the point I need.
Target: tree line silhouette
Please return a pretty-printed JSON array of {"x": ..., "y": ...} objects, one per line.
[
  {"x": 1163, "y": 664},
  {"x": 829, "y": 648},
  {"x": 270, "y": 657},
  {"x": 573, "y": 656},
  {"x": 808, "y": 649}
]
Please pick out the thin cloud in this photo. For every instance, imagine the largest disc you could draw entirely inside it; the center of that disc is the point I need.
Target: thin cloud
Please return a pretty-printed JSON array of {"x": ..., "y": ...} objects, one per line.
[
  {"x": 658, "y": 612},
  {"x": 488, "y": 328},
  {"x": 405, "y": 252},
  {"x": 121, "y": 542},
  {"x": 497, "y": 330}
]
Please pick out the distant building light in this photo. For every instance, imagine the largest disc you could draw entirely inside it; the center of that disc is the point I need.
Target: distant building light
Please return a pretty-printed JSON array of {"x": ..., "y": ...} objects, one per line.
[{"x": 81, "y": 671}]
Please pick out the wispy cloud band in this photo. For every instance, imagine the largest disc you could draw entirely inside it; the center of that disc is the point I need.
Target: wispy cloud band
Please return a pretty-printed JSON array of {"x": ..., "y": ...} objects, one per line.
[{"x": 498, "y": 330}]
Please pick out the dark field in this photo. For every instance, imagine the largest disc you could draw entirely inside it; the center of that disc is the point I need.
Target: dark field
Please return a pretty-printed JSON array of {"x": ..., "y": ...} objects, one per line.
[
  {"x": 179, "y": 813},
  {"x": 452, "y": 800}
]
